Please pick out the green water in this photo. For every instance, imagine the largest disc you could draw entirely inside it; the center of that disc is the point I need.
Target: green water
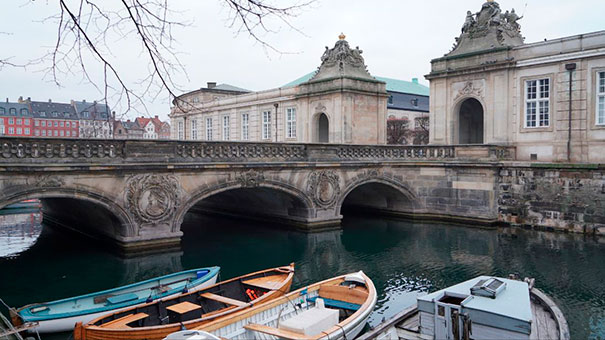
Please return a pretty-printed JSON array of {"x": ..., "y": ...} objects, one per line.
[{"x": 402, "y": 258}]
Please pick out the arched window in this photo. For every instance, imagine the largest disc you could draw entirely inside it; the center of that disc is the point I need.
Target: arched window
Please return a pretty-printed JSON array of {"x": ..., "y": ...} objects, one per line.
[{"x": 24, "y": 111}]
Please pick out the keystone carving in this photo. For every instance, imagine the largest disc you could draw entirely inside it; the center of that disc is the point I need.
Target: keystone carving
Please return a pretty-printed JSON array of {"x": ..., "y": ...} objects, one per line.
[
  {"x": 152, "y": 198},
  {"x": 323, "y": 187},
  {"x": 48, "y": 181},
  {"x": 470, "y": 89},
  {"x": 251, "y": 178}
]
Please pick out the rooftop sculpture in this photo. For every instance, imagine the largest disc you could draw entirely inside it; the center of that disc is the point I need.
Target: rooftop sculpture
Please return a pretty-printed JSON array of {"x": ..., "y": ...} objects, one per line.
[
  {"x": 488, "y": 29},
  {"x": 342, "y": 61}
]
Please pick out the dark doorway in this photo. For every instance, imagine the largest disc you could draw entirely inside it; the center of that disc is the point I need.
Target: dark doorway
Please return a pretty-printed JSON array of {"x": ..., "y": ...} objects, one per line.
[
  {"x": 470, "y": 122},
  {"x": 323, "y": 127}
]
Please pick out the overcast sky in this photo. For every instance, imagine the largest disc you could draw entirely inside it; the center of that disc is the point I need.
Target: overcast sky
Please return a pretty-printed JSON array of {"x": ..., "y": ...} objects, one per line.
[{"x": 398, "y": 39}]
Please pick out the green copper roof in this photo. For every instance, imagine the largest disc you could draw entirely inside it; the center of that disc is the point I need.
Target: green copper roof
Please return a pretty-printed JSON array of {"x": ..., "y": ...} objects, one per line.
[{"x": 394, "y": 85}]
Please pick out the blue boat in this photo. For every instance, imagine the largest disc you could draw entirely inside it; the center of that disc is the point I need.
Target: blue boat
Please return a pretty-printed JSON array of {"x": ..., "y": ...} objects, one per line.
[{"x": 62, "y": 315}]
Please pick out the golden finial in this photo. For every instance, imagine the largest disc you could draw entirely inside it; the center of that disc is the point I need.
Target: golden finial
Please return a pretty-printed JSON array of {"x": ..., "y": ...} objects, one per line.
[{"x": 342, "y": 36}]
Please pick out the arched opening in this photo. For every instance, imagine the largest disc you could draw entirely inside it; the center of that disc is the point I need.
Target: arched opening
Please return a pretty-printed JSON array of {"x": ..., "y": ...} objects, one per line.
[
  {"x": 470, "y": 122},
  {"x": 322, "y": 129},
  {"x": 377, "y": 197},
  {"x": 269, "y": 205}
]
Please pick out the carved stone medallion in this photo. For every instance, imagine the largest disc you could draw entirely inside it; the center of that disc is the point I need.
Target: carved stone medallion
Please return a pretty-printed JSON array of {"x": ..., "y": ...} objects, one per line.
[
  {"x": 48, "y": 181},
  {"x": 250, "y": 178},
  {"x": 323, "y": 187},
  {"x": 152, "y": 198},
  {"x": 470, "y": 89}
]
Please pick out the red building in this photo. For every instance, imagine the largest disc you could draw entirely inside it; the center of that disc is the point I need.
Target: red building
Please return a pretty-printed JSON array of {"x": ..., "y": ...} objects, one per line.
[
  {"x": 54, "y": 120},
  {"x": 16, "y": 120}
]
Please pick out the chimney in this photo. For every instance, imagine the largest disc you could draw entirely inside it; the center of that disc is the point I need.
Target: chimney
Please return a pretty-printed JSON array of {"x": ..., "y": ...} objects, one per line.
[
  {"x": 156, "y": 116},
  {"x": 20, "y": 100},
  {"x": 49, "y": 100},
  {"x": 415, "y": 80},
  {"x": 7, "y": 100},
  {"x": 211, "y": 84},
  {"x": 127, "y": 120}
]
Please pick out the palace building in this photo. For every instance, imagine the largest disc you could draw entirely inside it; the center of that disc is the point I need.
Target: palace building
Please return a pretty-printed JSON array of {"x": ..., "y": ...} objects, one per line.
[
  {"x": 546, "y": 98},
  {"x": 340, "y": 103}
]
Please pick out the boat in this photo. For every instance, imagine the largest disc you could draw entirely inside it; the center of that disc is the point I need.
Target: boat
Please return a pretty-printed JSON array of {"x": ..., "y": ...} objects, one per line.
[
  {"x": 485, "y": 307},
  {"x": 336, "y": 308},
  {"x": 9, "y": 332},
  {"x": 160, "y": 318},
  {"x": 23, "y": 207},
  {"x": 62, "y": 315}
]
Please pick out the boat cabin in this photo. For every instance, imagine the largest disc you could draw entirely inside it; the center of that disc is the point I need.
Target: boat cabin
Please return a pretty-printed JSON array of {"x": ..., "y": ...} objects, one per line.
[{"x": 484, "y": 307}]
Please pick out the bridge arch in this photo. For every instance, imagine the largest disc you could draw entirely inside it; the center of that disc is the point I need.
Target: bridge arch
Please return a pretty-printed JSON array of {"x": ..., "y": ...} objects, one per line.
[
  {"x": 295, "y": 204},
  {"x": 84, "y": 198},
  {"x": 379, "y": 193}
]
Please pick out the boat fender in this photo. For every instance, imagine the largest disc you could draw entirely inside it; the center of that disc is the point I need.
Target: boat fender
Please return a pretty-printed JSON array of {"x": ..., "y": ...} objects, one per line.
[
  {"x": 149, "y": 299},
  {"x": 185, "y": 290}
]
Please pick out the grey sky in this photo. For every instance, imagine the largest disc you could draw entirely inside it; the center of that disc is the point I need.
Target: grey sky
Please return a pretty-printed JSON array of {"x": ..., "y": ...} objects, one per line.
[{"x": 399, "y": 38}]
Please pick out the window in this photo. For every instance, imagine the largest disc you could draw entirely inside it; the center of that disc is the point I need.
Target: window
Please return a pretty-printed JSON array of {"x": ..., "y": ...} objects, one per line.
[
  {"x": 55, "y": 113},
  {"x": 208, "y": 128},
  {"x": 50, "y": 133},
  {"x": 85, "y": 114},
  {"x": 43, "y": 123},
  {"x": 24, "y": 111},
  {"x": 245, "y": 124},
  {"x": 194, "y": 129},
  {"x": 26, "y": 131},
  {"x": 68, "y": 133},
  {"x": 537, "y": 103},
  {"x": 601, "y": 98},
  {"x": 11, "y": 120},
  {"x": 19, "y": 131},
  {"x": 36, "y": 123},
  {"x": 67, "y": 124},
  {"x": 2, "y": 110},
  {"x": 19, "y": 121},
  {"x": 37, "y": 132},
  {"x": 42, "y": 113},
  {"x": 180, "y": 130},
  {"x": 62, "y": 133},
  {"x": 390, "y": 101},
  {"x": 225, "y": 127},
  {"x": 414, "y": 102},
  {"x": 266, "y": 125},
  {"x": 61, "y": 124},
  {"x": 1, "y": 130},
  {"x": 11, "y": 130},
  {"x": 56, "y": 133},
  {"x": 12, "y": 111},
  {"x": 43, "y": 133},
  {"x": 56, "y": 124},
  {"x": 291, "y": 122},
  {"x": 66, "y": 114}
]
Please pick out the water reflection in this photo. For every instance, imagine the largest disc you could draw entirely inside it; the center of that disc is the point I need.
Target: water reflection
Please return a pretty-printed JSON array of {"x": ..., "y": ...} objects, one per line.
[
  {"x": 18, "y": 232},
  {"x": 402, "y": 258}
]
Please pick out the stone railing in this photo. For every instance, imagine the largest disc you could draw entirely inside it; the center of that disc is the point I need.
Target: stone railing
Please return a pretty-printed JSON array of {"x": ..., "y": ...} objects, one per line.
[{"x": 78, "y": 151}]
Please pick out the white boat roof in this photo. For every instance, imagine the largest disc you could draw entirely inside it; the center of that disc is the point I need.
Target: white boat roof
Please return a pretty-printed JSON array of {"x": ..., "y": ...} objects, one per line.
[{"x": 512, "y": 302}]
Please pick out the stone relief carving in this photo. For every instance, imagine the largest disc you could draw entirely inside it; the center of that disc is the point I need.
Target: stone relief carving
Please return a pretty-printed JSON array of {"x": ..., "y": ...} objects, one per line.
[
  {"x": 323, "y": 187},
  {"x": 470, "y": 89},
  {"x": 152, "y": 198},
  {"x": 48, "y": 181},
  {"x": 250, "y": 178}
]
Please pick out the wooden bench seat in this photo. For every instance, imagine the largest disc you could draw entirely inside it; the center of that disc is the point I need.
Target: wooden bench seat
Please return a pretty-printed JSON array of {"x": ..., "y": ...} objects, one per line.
[
  {"x": 280, "y": 333},
  {"x": 125, "y": 320},
  {"x": 183, "y": 307},
  {"x": 355, "y": 295},
  {"x": 224, "y": 299}
]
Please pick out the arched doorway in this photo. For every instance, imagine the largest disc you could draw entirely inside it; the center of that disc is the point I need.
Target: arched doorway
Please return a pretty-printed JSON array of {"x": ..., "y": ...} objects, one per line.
[
  {"x": 323, "y": 129},
  {"x": 470, "y": 122}
]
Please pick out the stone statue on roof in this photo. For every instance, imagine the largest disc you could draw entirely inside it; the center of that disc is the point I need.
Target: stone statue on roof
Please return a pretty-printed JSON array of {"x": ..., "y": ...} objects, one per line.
[
  {"x": 488, "y": 29},
  {"x": 342, "y": 61}
]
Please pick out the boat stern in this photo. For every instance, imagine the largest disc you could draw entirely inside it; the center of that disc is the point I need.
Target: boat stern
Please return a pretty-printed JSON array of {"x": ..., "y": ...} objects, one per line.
[{"x": 16, "y": 319}]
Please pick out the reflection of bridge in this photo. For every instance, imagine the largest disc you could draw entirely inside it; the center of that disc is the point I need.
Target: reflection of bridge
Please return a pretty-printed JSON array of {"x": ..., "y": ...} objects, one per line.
[{"x": 137, "y": 193}]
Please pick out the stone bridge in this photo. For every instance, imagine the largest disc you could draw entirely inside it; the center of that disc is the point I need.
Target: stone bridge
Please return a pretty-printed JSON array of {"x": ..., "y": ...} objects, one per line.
[{"x": 137, "y": 193}]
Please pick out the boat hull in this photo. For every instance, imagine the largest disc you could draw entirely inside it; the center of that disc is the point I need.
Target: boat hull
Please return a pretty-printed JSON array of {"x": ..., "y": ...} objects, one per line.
[
  {"x": 67, "y": 324},
  {"x": 95, "y": 331}
]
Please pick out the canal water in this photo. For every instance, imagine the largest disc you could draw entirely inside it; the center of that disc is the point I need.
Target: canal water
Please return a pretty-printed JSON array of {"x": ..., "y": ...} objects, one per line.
[{"x": 38, "y": 263}]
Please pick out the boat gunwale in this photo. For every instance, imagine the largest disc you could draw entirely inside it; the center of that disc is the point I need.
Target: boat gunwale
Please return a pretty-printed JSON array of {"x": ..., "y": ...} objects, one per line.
[
  {"x": 554, "y": 310},
  {"x": 287, "y": 270},
  {"x": 29, "y": 317},
  {"x": 339, "y": 327}
]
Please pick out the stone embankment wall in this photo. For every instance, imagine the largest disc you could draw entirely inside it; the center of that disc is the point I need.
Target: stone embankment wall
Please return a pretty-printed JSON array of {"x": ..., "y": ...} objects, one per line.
[{"x": 553, "y": 197}]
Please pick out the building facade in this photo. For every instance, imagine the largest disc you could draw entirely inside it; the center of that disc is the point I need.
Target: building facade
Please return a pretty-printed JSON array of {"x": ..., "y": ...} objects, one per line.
[
  {"x": 95, "y": 119},
  {"x": 340, "y": 103},
  {"x": 153, "y": 128},
  {"x": 54, "y": 120},
  {"x": 16, "y": 119},
  {"x": 545, "y": 98},
  {"x": 127, "y": 130}
]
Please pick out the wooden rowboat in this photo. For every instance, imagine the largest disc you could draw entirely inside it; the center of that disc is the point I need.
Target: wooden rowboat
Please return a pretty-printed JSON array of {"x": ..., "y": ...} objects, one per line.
[
  {"x": 486, "y": 316},
  {"x": 158, "y": 319},
  {"x": 62, "y": 315},
  {"x": 337, "y": 308}
]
